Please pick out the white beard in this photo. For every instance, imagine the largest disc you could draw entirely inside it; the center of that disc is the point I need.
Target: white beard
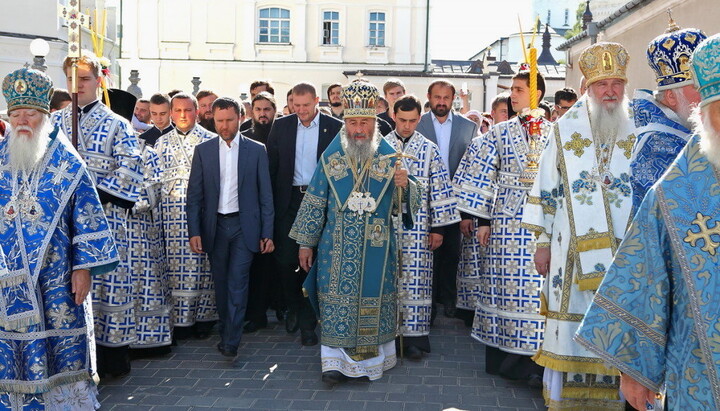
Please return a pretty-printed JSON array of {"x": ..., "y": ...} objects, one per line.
[
  {"x": 709, "y": 137},
  {"x": 362, "y": 149},
  {"x": 606, "y": 120},
  {"x": 684, "y": 108},
  {"x": 25, "y": 152}
]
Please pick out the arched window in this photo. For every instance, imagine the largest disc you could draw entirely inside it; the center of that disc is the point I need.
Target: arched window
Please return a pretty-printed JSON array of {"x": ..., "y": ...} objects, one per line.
[{"x": 274, "y": 25}]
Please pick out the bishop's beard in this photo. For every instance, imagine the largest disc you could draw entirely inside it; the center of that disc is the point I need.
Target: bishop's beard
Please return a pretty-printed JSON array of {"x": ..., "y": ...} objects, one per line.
[
  {"x": 606, "y": 120},
  {"x": 360, "y": 149},
  {"x": 25, "y": 152},
  {"x": 709, "y": 137}
]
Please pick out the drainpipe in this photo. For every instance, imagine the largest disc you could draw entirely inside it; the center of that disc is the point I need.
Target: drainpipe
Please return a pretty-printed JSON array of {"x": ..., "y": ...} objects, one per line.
[{"x": 427, "y": 34}]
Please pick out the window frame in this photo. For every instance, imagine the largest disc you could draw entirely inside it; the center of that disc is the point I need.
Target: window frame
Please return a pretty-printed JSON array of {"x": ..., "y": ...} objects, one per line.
[
  {"x": 269, "y": 27},
  {"x": 383, "y": 22},
  {"x": 332, "y": 21}
]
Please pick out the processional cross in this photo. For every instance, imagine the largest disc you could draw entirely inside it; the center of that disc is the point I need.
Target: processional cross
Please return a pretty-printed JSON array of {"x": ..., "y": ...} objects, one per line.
[{"x": 75, "y": 20}]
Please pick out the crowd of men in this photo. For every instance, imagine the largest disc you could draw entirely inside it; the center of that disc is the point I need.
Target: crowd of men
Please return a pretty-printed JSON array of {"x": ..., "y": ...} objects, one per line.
[{"x": 593, "y": 277}]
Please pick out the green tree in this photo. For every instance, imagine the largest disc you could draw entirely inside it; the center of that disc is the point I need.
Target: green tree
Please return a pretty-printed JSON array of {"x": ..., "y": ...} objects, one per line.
[{"x": 577, "y": 28}]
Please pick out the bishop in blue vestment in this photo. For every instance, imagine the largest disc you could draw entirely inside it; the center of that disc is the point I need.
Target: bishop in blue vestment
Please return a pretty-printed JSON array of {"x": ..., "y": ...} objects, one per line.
[
  {"x": 347, "y": 214},
  {"x": 53, "y": 237}
]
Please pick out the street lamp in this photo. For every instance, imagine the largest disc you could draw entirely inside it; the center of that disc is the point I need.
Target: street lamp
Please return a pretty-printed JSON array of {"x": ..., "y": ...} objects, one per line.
[{"x": 39, "y": 48}]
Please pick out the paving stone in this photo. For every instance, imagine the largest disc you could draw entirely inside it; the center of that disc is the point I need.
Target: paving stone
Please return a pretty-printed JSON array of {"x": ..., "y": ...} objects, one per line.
[{"x": 273, "y": 371}]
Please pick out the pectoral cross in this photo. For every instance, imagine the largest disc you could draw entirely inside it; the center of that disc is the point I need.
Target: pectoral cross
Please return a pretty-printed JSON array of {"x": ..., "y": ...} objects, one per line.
[{"x": 75, "y": 20}]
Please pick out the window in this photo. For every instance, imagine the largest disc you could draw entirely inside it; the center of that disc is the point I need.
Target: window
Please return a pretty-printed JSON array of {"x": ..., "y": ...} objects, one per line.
[
  {"x": 567, "y": 17},
  {"x": 548, "y": 18},
  {"x": 331, "y": 28},
  {"x": 274, "y": 25},
  {"x": 377, "y": 29}
]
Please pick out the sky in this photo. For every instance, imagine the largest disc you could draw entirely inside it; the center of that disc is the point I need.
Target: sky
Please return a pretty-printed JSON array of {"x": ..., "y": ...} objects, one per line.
[{"x": 461, "y": 28}]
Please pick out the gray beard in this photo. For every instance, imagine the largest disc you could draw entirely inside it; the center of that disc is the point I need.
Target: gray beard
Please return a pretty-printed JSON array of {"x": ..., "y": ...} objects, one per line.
[
  {"x": 606, "y": 121},
  {"x": 360, "y": 150},
  {"x": 24, "y": 153}
]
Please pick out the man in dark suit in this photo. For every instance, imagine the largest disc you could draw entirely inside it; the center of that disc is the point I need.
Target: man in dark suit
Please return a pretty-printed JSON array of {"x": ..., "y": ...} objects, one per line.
[
  {"x": 295, "y": 144},
  {"x": 230, "y": 214},
  {"x": 452, "y": 133},
  {"x": 393, "y": 90}
]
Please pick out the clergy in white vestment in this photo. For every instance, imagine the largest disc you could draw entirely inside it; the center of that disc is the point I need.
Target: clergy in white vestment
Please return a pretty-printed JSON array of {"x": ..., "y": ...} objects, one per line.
[
  {"x": 438, "y": 208},
  {"x": 579, "y": 206}
]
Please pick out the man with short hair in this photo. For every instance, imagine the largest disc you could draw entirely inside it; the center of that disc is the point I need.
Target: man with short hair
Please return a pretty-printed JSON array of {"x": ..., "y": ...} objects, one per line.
[
  {"x": 347, "y": 213},
  {"x": 205, "y": 99},
  {"x": 452, "y": 133},
  {"x": 110, "y": 148},
  {"x": 564, "y": 99},
  {"x": 230, "y": 215},
  {"x": 662, "y": 117},
  {"x": 579, "y": 207},
  {"x": 654, "y": 316},
  {"x": 259, "y": 86},
  {"x": 393, "y": 89},
  {"x": 492, "y": 196},
  {"x": 60, "y": 99},
  {"x": 189, "y": 277},
  {"x": 499, "y": 108},
  {"x": 289, "y": 101},
  {"x": 334, "y": 94},
  {"x": 263, "y": 274},
  {"x": 438, "y": 208},
  {"x": 160, "y": 117},
  {"x": 141, "y": 116},
  {"x": 294, "y": 146},
  {"x": 54, "y": 239}
]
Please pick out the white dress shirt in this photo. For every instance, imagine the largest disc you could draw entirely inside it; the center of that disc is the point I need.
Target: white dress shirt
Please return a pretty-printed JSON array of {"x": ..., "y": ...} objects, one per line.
[
  {"x": 229, "y": 176},
  {"x": 306, "y": 144},
  {"x": 442, "y": 134}
]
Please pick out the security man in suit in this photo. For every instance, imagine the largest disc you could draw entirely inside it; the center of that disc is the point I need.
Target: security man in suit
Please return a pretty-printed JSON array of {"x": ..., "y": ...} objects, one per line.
[
  {"x": 452, "y": 133},
  {"x": 230, "y": 214},
  {"x": 294, "y": 145}
]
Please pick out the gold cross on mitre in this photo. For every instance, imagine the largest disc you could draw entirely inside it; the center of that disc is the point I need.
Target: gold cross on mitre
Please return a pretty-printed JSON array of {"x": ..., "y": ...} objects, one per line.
[{"x": 75, "y": 20}]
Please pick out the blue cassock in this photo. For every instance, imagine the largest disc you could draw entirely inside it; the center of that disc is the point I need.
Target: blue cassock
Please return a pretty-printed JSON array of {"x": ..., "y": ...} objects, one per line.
[
  {"x": 45, "y": 338},
  {"x": 660, "y": 138},
  {"x": 352, "y": 282},
  {"x": 656, "y": 316}
]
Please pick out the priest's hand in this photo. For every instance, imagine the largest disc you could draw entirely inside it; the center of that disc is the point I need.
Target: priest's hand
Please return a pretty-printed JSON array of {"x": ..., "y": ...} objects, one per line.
[
  {"x": 305, "y": 255},
  {"x": 483, "y": 235},
  {"x": 542, "y": 260},
  {"x": 635, "y": 393},
  {"x": 196, "y": 244},
  {"x": 266, "y": 246},
  {"x": 80, "y": 282},
  {"x": 401, "y": 175},
  {"x": 434, "y": 241},
  {"x": 466, "y": 227}
]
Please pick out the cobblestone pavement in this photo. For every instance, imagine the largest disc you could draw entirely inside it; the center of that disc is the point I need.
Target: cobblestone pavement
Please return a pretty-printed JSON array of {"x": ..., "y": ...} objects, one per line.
[{"x": 274, "y": 372}]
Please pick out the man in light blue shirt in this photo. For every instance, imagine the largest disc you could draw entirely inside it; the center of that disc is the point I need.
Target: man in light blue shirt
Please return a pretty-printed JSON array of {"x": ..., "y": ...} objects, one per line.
[{"x": 294, "y": 145}]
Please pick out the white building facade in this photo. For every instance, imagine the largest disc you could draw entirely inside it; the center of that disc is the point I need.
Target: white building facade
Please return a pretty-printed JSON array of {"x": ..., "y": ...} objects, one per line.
[{"x": 230, "y": 43}]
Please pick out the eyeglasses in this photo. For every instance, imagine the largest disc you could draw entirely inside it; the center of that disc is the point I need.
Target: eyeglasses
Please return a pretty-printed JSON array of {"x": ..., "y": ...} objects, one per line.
[{"x": 564, "y": 108}]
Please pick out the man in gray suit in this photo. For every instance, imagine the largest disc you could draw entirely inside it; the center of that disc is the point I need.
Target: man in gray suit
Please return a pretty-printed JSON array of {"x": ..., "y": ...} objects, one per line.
[
  {"x": 230, "y": 214},
  {"x": 452, "y": 133}
]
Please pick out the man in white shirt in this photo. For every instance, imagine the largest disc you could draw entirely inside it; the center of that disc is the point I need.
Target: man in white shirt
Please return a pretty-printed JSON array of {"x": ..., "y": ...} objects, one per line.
[
  {"x": 452, "y": 133},
  {"x": 230, "y": 215}
]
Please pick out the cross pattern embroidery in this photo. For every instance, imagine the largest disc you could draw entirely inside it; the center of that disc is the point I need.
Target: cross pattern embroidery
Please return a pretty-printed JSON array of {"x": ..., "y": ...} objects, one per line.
[
  {"x": 704, "y": 234},
  {"x": 61, "y": 172},
  {"x": 627, "y": 145},
  {"x": 577, "y": 144}
]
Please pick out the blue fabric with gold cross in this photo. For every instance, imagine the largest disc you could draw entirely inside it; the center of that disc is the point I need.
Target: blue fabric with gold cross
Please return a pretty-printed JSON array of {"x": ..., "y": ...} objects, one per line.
[{"x": 655, "y": 315}]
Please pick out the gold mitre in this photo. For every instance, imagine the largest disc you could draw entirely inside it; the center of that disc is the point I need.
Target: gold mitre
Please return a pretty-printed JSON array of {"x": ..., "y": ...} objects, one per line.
[{"x": 604, "y": 60}]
